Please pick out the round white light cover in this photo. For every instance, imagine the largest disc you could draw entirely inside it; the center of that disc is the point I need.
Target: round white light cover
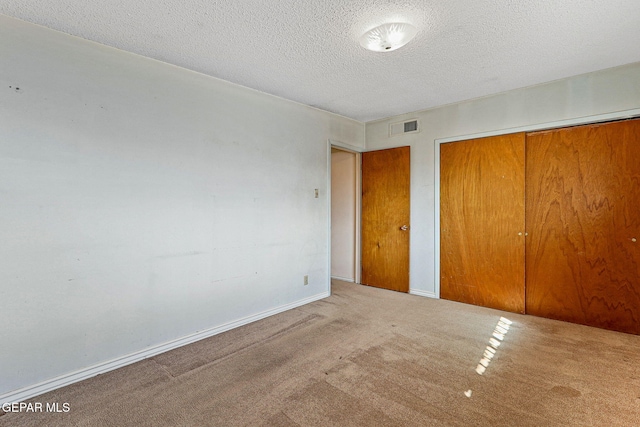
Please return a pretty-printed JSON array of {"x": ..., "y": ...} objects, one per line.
[{"x": 388, "y": 37}]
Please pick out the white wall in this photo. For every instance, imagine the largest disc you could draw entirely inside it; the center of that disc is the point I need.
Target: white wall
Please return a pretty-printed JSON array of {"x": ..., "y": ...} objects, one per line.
[
  {"x": 609, "y": 91},
  {"x": 142, "y": 203},
  {"x": 343, "y": 215}
]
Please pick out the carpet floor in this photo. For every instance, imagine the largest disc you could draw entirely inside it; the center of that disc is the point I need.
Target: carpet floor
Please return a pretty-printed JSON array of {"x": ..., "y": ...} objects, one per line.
[{"x": 370, "y": 357}]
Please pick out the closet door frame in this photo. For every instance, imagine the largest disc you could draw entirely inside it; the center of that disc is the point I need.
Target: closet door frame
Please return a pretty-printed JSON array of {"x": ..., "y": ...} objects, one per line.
[{"x": 600, "y": 118}]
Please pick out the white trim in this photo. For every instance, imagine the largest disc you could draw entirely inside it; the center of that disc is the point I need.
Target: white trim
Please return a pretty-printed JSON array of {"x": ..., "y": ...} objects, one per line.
[
  {"x": 423, "y": 293},
  {"x": 436, "y": 231},
  {"x": 101, "y": 368},
  {"x": 344, "y": 279},
  {"x": 617, "y": 115},
  {"x": 329, "y": 243},
  {"x": 345, "y": 146},
  {"x": 358, "y": 243},
  {"x": 358, "y": 220}
]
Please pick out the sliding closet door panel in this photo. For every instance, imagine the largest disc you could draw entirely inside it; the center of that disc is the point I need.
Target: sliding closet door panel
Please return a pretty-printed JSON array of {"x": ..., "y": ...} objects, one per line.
[
  {"x": 482, "y": 222},
  {"x": 583, "y": 220}
]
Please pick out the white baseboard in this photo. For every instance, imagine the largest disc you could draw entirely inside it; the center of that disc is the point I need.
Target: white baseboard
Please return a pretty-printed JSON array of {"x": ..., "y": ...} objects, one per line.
[
  {"x": 344, "y": 279},
  {"x": 101, "y": 368},
  {"x": 423, "y": 293}
]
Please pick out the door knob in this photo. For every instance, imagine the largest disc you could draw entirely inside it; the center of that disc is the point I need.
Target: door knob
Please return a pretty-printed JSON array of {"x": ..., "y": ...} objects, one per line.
[{"x": 404, "y": 228}]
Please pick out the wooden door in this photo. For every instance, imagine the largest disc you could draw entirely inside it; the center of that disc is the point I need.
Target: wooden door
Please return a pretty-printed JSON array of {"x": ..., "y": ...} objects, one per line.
[
  {"x": 482, "y": 222},
  {"x": 583, "y": 220},
  {"x": 385, "y": 218}
]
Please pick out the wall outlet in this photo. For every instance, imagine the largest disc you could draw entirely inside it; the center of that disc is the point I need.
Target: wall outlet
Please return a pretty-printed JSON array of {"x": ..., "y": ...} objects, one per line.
[
  {"x": 316, "y": 192},
  {"x": 306, "y": 280}
]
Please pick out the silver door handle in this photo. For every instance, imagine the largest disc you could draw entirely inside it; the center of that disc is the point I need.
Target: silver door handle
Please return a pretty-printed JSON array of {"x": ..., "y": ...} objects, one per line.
[{"x": 404, "y": 228}]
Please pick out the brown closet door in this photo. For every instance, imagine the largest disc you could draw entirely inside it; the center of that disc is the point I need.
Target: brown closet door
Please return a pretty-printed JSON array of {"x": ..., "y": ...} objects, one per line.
[
  {"x": 385, "y": 218},
  {"x": 482, "y": 222},
  {"x": 583, "y": 220}
]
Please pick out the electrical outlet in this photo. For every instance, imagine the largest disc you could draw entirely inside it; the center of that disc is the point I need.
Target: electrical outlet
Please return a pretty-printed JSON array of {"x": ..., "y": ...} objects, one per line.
[
  {"x": 316, "y": 193},
  {"x": 306, "y": 280}
]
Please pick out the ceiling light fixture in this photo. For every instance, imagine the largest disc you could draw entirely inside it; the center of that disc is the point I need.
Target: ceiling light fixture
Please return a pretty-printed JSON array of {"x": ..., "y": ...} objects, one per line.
[{"x": 388, "y": 37}]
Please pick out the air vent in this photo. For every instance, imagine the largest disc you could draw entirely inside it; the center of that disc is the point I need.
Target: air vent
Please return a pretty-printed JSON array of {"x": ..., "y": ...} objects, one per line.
[{"x": 410, "y": 126}]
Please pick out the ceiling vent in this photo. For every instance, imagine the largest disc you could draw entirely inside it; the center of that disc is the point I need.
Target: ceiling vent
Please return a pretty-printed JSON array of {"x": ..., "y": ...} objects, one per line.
[{"x": 400, "y": 128}]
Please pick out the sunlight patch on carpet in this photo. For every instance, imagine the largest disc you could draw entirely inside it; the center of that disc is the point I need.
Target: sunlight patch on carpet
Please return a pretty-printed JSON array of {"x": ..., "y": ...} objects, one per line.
[{"x": 498, "y": 335}]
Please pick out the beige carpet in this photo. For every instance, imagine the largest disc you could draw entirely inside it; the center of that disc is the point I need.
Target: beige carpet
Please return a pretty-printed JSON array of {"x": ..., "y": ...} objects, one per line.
[{"x": 370, "y": 357}]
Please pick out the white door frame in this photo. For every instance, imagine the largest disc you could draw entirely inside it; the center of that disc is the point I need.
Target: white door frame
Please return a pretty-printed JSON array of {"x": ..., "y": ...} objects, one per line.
[{"x": 332, "y": 143}]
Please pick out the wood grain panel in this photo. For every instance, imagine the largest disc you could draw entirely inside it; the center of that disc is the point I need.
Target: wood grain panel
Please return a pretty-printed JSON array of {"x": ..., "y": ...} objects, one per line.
[
  {"x": 385, "y": 209},
  {"x": 583, "y": 220},
  {"x": 482, "y": 222}
]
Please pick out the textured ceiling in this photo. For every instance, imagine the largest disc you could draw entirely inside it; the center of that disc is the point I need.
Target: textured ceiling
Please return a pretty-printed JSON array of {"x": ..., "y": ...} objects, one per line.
[{"x": 308, "y": 51}]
